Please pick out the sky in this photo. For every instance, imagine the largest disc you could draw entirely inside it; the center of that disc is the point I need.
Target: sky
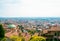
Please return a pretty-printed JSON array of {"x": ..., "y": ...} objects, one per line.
[{"x": 29, "y": 8}]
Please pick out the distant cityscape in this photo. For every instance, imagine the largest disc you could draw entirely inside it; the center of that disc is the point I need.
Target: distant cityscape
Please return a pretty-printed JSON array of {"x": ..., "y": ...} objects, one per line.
[
  {"x": 45, "y": 27},
  {"x": 31, "y": 21}
]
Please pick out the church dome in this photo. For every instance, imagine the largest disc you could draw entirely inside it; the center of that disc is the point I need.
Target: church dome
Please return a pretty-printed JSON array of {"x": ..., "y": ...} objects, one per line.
[{"x": 11, "y": 26}]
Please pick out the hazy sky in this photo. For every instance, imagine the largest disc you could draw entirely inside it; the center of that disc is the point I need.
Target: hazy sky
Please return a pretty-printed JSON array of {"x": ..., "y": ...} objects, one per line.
[{"x": 29, "y": 8}]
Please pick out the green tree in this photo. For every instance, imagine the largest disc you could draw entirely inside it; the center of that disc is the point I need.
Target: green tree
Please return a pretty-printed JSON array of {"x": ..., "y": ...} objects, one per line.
[
  {"x": 37, "y": 38},
  {"x": 31, "y": 31},
  {"x": 21, "y": 27},
  {"x": 2, "y": 32}
]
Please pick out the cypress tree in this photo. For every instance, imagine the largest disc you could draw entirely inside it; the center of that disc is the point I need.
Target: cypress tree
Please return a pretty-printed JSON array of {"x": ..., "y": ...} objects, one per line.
[{"x": 2, "y": 32}]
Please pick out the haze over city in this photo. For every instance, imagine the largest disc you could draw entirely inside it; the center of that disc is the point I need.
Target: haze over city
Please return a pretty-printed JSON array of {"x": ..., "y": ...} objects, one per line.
[{"x": 29, "y": 8}]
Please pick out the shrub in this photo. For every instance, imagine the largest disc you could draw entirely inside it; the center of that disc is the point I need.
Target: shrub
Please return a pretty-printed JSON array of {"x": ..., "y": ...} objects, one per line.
[
  {"x": 4, "y": 39},
  {"x": 17, "y": 38}
]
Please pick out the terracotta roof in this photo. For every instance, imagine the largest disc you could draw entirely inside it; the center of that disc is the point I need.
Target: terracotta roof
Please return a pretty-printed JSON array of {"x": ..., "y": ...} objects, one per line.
[
  {"x": 10, "y": 33},
  {"x": 45, "y": 31},
  {"x": 54, "y": 29},
  {"x": 51, "y": 29}
]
